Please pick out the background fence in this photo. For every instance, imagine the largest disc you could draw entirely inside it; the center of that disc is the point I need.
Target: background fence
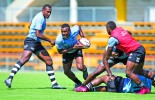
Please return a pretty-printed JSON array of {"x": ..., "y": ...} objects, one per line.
[{"x": 62, "y": 14}]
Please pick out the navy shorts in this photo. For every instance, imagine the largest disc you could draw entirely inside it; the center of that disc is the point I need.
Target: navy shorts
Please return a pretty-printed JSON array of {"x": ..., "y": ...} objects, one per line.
[
  {"x": 138, "y": 55},
  {"x": 32, "y": 45},
  {"x": 70, "y": 56},
  {"x": 112, "y": 61},
  {"x": 118, "y": 60}
]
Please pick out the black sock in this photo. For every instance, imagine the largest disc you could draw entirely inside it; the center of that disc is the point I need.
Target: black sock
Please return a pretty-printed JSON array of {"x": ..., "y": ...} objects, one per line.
[{"x": 77, "y": 81}]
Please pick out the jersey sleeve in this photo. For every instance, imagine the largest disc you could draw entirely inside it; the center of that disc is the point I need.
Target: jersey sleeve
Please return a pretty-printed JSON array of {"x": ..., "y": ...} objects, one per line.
[
  {"x": 58, "y": 43},
  {"x": 39, "y": 23},
  {"x": 75, "y": 30},
  {"x": 112, "y": 42}
]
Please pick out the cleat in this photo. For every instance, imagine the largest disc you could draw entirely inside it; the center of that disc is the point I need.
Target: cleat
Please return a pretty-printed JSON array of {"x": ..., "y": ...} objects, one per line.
[
  {"x": 144, "y": 90},
  {"x": 85, "y": 74},
  {"x": 8, "y": 82},
  {"x": 81, "y": 89},
  {"x": 77, "y": 88},
  {"x": 57, "y": 87}
]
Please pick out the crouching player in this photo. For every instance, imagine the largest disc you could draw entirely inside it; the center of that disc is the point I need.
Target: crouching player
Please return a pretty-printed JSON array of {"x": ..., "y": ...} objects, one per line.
[{"x": 117, "y": 84}]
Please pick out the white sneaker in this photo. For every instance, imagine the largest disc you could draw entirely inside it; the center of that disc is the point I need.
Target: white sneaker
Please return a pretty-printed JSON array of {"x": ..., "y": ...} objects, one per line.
[{"x": 57, "y": 87}]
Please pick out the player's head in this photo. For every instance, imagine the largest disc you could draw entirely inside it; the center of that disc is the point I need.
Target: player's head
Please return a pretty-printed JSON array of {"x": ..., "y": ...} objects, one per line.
[
  {"x": 46, "y": 10},
  {"x": 110, "y": 26},
  {"x": 65, "y": 30}
]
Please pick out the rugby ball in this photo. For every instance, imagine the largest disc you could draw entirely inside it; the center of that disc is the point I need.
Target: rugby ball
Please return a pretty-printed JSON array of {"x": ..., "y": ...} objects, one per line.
[{"x": 85, "y": 42}]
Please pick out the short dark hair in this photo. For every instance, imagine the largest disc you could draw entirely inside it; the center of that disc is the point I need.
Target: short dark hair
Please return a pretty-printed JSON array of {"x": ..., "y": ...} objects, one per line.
[
  {"x": 65, "y": 25},
  {"x": 111, "y": 25},
  {"x": 46, "y": 5}
]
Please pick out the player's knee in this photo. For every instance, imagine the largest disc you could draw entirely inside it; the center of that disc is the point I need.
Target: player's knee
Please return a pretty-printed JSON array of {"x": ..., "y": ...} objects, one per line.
[
  {"x": 50, "y": 63},
  {"x": 80, "y": 67},
  {"x": 66, "y": 72},
  {"x": 128, "y": 73}
]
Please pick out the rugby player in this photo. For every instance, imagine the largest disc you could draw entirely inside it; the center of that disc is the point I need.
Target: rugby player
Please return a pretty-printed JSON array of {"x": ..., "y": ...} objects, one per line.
[
  {"x": 135, "y": 51},
  {"x": 68, "y": 45},
  {"x": 32, "y": 44}
]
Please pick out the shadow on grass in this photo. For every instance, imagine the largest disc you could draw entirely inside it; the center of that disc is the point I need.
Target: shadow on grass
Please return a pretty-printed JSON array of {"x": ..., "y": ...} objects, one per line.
[{"x": 34, "y": 88}]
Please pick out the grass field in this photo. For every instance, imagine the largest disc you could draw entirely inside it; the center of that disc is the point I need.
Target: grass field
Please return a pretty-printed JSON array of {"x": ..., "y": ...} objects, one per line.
[{"x": 36, "y": 86}]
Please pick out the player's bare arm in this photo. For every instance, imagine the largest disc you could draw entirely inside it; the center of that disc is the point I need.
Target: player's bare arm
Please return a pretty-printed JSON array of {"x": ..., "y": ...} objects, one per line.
[
  {"x": 106, "y": 56},
  {"x": 41, "y": 36},
  {"x": 76, "y": 46},
  {"x": 81, "y": 32}
]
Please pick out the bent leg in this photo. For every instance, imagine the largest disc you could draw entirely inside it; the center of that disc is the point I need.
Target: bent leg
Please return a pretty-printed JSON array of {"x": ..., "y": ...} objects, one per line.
[
  {"x": 80, "y": 65},
  {"x": 130, "y": 72},
  {"x": 45, "y": 57},
  {"x": 149, "y": 74},
  {"x": 25, "y": 57},
  {"x": 94, "y": 74},
  {"x": 99, "y": 70},
  {"x": 69, "y": 73},
  {"x": 99, "y": 80}
]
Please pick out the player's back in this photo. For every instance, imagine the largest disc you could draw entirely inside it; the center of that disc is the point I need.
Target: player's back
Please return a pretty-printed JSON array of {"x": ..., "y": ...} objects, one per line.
[{"x": 130, "y": 86}]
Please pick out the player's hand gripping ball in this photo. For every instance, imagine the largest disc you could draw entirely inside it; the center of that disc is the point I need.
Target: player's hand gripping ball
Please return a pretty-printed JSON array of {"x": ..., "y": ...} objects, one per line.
[{"x": 85, "y": 42}]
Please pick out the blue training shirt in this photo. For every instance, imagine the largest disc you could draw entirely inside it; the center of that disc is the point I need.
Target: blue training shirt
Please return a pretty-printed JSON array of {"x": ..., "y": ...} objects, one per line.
[
  {"x": 70, "y": 41},
  {"x": 38, "y": 23},
  {"x": 130, "y": 86}
]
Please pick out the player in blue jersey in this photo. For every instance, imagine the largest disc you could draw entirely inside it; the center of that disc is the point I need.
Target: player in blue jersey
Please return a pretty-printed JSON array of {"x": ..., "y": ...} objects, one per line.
[
  {"x": 32, "y": 44},
  {"x": 118, "y": 84},
  {"x": 68, "y": 45}
]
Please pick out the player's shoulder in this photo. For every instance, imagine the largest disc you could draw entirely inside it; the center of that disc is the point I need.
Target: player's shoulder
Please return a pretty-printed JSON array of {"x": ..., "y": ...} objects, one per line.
[
  {"x": 75, "y": 28},
  {"x": 59, "y": 38},
  {"x": 112, "y": 39},
  {"x": 39, "y": 16}
]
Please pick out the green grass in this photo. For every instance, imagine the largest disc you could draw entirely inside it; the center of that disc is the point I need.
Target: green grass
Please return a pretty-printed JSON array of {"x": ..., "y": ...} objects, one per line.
[{"x": 36, "y": 86}]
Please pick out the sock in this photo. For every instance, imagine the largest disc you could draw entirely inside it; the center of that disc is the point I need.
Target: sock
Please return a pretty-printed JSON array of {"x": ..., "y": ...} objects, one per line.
[
  {"x": 90, "y": 86},
  {"x": 15, "y": 69},
  {"x": 50, "y": 72},
  {"x": 141, "y": 84},
  {"x": 153, "y": 77},
  {"x": 85, "y": 69},
  {"x": 77, "y": 81}
]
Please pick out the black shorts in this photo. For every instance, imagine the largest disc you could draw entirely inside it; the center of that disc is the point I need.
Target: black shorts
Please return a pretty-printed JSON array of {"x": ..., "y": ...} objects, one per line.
[
  {"x": 112, "y": 61},
  {"x": 70, "y": 56},
  {"x": 138, "y": 55},
  {"x": 32, "y": 45},
  {"x": 117, "y": 60}
]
